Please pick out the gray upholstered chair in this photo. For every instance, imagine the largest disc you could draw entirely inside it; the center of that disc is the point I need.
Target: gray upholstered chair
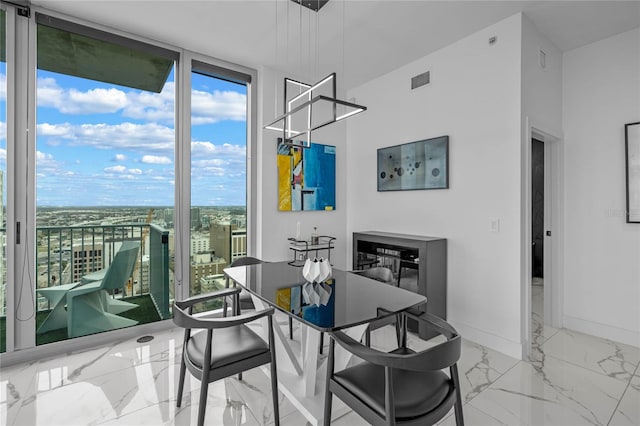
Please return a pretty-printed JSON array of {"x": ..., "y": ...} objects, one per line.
[
  {"x": 243, "y": 300},
  {"x": 385, "y": 275},
  {"x": 400, "y": 387},
  {"x": 225, "y": 347}
]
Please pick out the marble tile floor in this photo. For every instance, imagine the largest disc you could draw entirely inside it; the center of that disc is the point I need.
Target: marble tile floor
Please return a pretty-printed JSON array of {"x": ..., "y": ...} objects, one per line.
[{"x": 573, "y": 379}]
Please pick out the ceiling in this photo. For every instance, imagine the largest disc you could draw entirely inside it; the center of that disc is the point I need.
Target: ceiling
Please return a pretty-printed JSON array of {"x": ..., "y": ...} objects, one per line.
[{"x": 358, "y": 39}]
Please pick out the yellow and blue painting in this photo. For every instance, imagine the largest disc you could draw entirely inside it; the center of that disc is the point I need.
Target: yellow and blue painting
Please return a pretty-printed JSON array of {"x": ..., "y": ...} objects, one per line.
[{"x": 306, "y": 177}]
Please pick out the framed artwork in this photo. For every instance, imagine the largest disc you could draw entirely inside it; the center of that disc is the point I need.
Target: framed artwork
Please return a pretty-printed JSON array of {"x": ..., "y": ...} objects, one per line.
[
  {"x": 417, "y": 165},
  {"x": 306, "y": 177},
  {"x": 632, "y": 155}
]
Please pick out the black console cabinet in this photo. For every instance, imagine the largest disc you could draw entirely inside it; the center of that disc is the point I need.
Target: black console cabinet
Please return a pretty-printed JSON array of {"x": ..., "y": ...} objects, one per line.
[{"x": 419, "y": 264}]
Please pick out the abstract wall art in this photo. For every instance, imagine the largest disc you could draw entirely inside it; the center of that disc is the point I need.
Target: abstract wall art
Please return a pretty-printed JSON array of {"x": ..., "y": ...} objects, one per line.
[
  {"x": 417, "y": 165},
  {"x": 306, "y": 177}
]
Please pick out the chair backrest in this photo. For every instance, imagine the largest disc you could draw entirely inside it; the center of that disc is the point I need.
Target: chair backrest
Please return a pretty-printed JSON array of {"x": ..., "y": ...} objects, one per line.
[
  {"x": 248, "y": 260},
  {"x": 437, "y": 357},
  {"x": 378, "y": 273},
  {"x": 122, "y": 266}
]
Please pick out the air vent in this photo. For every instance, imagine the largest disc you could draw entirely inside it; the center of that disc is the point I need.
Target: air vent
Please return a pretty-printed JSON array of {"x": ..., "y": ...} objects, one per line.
[{"x": 420, "y": 80}]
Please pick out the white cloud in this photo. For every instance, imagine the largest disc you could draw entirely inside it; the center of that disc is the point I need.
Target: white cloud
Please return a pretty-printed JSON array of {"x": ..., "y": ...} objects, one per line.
[
  {"x": 151, "y": 106},
  {"x": 212, "y": 107},
  {"x": 217, "y": 160},
  {"x": 48, "y": 165},
  {"x": 3, "y": 154},
  {"x": 124, "y": 136},
  {"x": 46, "y": 129},
  {"x": 207, "y": 150},
  {"x": 135, "y": 171},
  {"x": 3, "y": 86},
  {"x": 73, "y": 101},
  {"x": 115, "y": 169},
  {"x": 206, "y": 108},
  {"x": 3, "y": 130},
  {"x": 155, "y": 159},
  {"x": 119, "y": 157}
]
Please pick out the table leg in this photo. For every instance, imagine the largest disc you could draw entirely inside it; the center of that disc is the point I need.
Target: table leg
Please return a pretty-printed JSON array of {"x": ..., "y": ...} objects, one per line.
[
  {"x": 282, "y": 343},
  {"x": 311, "y": 346}
]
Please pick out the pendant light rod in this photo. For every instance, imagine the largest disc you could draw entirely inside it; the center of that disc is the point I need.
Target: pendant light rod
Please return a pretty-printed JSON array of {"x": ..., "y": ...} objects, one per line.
[{"x": 306, "y": 102}]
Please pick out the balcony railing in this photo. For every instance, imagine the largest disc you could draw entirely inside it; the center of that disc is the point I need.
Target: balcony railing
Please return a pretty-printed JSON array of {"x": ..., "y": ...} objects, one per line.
[{"x": 65, "y": 254}]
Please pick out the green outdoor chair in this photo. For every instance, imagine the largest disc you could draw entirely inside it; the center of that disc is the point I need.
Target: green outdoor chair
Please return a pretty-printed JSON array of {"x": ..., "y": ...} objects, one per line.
[{"x": 86, "y": 307}]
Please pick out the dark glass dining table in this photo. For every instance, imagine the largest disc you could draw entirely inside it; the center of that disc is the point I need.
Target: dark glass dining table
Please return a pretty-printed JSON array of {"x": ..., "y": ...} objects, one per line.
[
  {"x": 347, "y": 301},
  {"x": 349, "y": 298}
]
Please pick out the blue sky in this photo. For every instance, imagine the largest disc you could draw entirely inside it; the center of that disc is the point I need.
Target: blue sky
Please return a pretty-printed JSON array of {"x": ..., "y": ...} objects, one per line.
[{"x": 105, "y": 145}]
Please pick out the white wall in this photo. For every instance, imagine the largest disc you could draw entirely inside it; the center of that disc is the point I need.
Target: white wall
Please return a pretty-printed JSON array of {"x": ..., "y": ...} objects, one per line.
[
  {"x": 274, "y": 226},
  {"x": 474, "y": 97},
  {"x": 601, "y": 92},
  {"x": 541, "y": 87}
]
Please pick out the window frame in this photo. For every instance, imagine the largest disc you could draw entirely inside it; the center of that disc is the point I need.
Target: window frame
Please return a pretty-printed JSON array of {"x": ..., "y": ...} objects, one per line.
[{"x": 196, "y": 62}]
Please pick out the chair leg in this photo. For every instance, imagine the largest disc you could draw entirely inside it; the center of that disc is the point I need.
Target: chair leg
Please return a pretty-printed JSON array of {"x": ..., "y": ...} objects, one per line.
[
  {"x": 328, "y": 396},
  {"x": 181, "y": 382},
  {"x": 367, "y": 338},
  {"x": 204, "y": 388},
  {"x": 239, "y": 376},
  {"x": 274, "y": 375},
  {"x": 290, "y": 328},
  {"x": 458, "y": 404},
  {"x": 224, "y": 302},
  {"x": 321, "y": 341},
  {"x": 399, "y": 335}
]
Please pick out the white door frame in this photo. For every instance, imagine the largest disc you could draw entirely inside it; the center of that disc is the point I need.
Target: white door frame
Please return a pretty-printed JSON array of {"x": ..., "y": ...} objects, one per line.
[{"x": 554, "y": 222}]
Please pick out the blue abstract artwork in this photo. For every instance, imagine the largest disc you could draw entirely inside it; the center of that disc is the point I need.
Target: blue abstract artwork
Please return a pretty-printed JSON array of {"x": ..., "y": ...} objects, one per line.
[{"x": 306, "y": 177}]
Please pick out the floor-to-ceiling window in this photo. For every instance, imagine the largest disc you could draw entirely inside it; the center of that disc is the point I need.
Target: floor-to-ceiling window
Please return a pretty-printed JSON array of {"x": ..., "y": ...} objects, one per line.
[
  {"x": 218, "y": 211},
  {"x": 105, "y": 171},
  {"x": 100, "y": 183}
]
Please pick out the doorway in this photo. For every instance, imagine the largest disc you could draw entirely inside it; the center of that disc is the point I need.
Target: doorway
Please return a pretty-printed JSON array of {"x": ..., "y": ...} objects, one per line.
[
  {"x": 543, "y": 248},
  {"x": 538, "y": 196}
]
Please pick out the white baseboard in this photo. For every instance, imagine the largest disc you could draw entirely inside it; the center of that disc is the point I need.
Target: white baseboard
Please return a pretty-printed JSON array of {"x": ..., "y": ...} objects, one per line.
[
  {"x": 498, "y": 343},
  {"x": 605, "y": 331}
]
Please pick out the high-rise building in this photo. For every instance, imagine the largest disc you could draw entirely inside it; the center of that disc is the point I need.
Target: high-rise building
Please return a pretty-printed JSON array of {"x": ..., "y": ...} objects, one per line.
[
  {"x": 227, "y": 241},
  {"x": 199, "y": 243},
  {"x": 238, "y": 243},
  {"x": 195, "y": 217},
  {"x": 220, "y": 240},
  {"x": 168, "y": 215},
  {"x": 204, "y": 266},
  {"x": 85, "y": 259}
]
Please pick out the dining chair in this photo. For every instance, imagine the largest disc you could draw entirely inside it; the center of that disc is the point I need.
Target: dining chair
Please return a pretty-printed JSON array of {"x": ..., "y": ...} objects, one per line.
[
  {"x": 400, "y": 387},
  {"x": 224, "y": 347},
  {"x": 385, "y": 275},
  {"x": 243, "y": 300}
]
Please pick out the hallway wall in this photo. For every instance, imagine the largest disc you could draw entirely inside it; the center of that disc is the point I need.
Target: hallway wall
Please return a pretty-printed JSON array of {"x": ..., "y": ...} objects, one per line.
[{"x": 601, "y": 92}]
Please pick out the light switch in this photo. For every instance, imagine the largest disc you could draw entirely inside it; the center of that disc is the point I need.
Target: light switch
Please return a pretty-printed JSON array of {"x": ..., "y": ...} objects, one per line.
[{"x": 495, "y": 225}]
